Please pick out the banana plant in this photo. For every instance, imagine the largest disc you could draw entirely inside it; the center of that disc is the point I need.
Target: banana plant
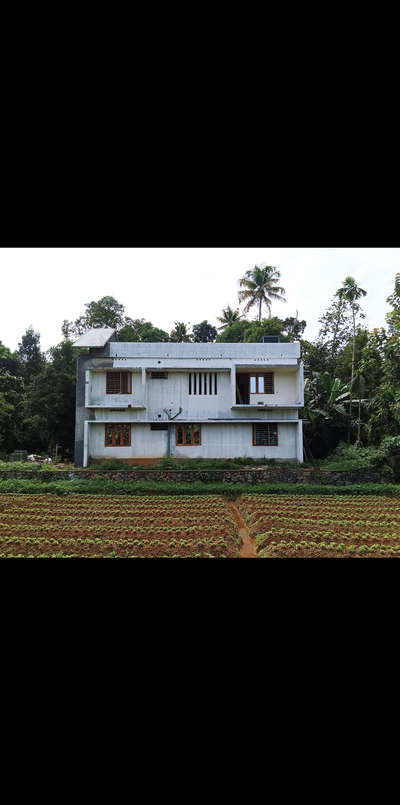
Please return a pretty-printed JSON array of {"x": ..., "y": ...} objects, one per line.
[{"x": 324, "y": 397}]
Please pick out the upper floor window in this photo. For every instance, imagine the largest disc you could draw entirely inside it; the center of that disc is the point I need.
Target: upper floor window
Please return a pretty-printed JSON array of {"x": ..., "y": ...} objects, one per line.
[
  {"x": 262, "y": 383},
  {"x": 203, "y": 383},
  {"x": 159, "y": 375},
  {"x": 119, "y": 383}
]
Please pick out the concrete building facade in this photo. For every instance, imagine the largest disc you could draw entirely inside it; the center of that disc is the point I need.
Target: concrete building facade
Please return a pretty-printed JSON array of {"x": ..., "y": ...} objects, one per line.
[{"x": 153, "y": 400}]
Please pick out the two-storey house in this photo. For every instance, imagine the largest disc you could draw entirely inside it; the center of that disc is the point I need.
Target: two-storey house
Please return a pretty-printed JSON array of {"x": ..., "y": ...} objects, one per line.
[{"x": 147, "y": 400}]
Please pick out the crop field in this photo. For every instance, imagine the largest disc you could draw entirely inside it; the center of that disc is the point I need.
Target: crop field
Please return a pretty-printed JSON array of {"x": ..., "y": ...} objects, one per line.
[
  {"x": 48, "y": 525},
  {"x": 318, "y": 526},
  {"x": 203, "y": 525}
]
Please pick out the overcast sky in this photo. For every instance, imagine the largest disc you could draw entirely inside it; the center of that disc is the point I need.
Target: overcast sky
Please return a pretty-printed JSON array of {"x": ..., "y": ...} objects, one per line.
[{"x": 42, "y": 287}]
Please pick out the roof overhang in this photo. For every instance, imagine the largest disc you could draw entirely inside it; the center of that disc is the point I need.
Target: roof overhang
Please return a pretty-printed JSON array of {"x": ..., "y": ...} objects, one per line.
[{"x": 98, "y": 337}]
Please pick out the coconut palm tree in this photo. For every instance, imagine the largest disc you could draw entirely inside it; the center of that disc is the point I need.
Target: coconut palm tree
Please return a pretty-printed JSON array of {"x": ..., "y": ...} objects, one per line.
[
  {"x": 228, "y": 317},
  {"x": 261, "y": 288}
]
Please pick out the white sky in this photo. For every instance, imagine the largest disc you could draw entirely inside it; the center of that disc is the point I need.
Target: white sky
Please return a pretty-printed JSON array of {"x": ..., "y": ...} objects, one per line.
[{"x": 42, "y": 287}]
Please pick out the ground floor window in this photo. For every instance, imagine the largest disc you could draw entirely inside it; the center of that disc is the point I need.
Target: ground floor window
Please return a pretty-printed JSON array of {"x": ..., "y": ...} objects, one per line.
[
  {"x": 265, "y": 434},
  {"x": 117, "y": 435},
  {"x": 188, "y": 434}
]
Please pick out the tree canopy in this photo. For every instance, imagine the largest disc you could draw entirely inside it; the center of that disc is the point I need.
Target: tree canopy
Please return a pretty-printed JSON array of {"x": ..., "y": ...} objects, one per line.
[{"x": 204, "y": 332}]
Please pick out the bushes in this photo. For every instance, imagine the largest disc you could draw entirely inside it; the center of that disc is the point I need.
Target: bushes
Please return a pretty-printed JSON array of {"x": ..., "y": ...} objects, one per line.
[
  {"x": 109, "y": 464},
  {"x": 355, "y": 457}
]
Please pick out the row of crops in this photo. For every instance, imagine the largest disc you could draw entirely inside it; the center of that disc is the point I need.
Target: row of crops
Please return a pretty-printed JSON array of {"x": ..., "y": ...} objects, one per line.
[
  {"x": 316, "y": 526},
  {"x": 106, "y": 526},
  {"x": 48, "y": 525}
]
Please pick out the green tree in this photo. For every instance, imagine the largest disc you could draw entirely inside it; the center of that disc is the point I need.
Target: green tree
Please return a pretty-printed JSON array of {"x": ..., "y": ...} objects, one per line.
[
  {"x": 235, "y": 333},
  {"x": 350, "y": 293},
  {"x": 66, "y": 329},
  {"x": 335, "y": 329},
  {"x": 180, "y": 333},
  {"x": 141, "y": 330},
  {"x": 324, "y": 398},
  {"x": 228, "y": 317},
  {"x": 344, "y": 360},
  {"x": 393, "y": 318},
  {"x": 11, "y": 399},
  {"x": 204, "y": 332},
  {"x": 317, "y": 358},
  {"x": 106, "y": 312},
  {"x": 259, "y": 329},
  {"x": 294, "y": 328},
  {"x": 30, "y": 354},
  {"x": 380, "y": 366},
  {"x": 260, "y": 288},
  {"x": 50, "y": 402}
]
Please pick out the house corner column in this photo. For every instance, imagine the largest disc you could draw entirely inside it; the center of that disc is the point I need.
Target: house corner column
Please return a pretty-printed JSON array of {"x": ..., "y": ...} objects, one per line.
[
  {"x": 233, "y": 384},
  {"x": 81, "y": 411},
  {"x": 300, "y": 441},
  {"x": 85, "y": 443},
  {"x": 301, "y": 383}
]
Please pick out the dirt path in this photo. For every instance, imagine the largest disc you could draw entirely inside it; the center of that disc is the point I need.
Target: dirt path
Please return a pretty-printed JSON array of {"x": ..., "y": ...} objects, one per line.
[{"x": 247, "y": 550}]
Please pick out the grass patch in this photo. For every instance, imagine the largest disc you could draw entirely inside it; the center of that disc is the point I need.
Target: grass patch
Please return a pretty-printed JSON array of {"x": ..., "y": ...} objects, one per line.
[
  {"x": 12, "y": 466},
  {"x": 104, "y": 486}
]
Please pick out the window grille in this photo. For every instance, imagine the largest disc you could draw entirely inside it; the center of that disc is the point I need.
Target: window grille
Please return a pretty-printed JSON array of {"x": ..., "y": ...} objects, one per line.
[
  {"x": 265, "y": 434},
  {"x": 187, "y": 434},
  {"x": 117, "y": 434}
]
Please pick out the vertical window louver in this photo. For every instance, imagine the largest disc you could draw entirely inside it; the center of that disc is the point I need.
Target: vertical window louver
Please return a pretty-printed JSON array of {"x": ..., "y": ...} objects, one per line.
[{"x": 203, "y": 383}]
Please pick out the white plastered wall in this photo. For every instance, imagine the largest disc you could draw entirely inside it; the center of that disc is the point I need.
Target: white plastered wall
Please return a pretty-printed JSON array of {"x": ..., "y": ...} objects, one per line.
[
  {"x": 286, "y": 390},
  {"x": 218, "y": 441}
]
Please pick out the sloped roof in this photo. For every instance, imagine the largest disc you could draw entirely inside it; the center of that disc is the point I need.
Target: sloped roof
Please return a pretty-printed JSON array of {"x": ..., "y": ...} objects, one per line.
[{"x": 97, "y": 337}]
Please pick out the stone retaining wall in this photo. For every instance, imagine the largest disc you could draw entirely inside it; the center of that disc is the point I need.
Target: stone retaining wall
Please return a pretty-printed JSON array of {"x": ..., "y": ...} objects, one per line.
[{"x": 252, "y": 475}]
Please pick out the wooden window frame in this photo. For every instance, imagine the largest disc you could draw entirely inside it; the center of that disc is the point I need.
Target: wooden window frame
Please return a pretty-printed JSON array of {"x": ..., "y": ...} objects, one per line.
[
  {"x": 129, "y": 383},
  {"x": 257, "y": 375},
  {"x": 268, "y": 426},
  {"x": 114, "y": 425},
  {"x": 184, "y": 443}
]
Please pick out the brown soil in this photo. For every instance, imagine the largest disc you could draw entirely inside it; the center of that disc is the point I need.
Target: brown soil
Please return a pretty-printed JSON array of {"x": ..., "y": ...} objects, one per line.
[{"x": 247, "y": 550}]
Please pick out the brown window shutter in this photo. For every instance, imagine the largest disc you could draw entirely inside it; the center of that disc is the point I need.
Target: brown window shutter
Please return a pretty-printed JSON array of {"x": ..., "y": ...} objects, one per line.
[
  {"x": 113, "y": 383},
  {"x": 268, "y": 383},
  {"x": 124, "y": 382}
]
